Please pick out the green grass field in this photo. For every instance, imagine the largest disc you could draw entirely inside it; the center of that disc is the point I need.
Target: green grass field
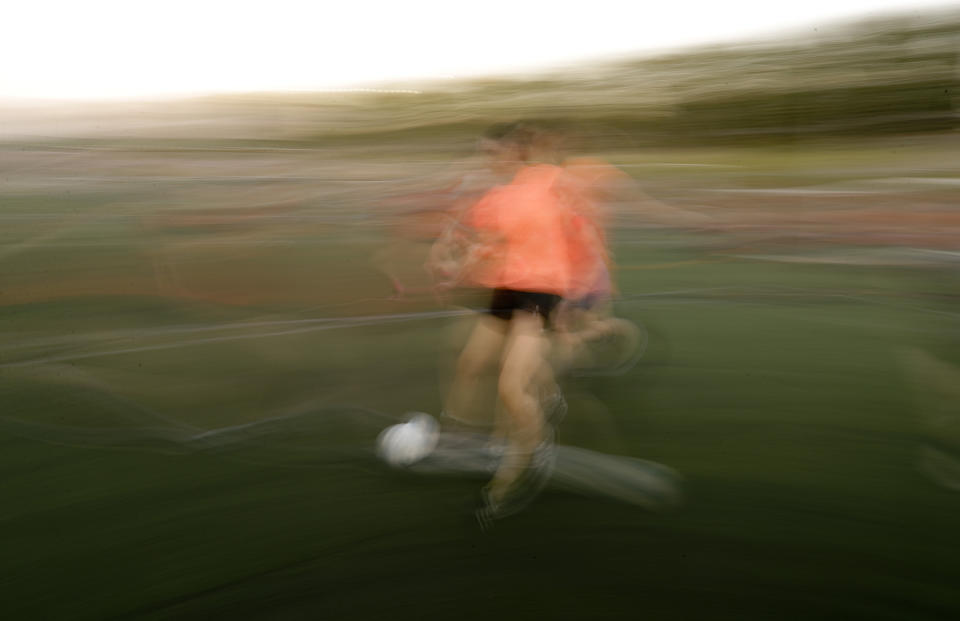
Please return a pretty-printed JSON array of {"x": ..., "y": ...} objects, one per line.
[{"x": 788, "y": 394}]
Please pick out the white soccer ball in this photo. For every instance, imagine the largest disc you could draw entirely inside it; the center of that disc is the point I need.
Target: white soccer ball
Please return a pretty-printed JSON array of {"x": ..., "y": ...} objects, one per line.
[{"x": 409, "y": 442}]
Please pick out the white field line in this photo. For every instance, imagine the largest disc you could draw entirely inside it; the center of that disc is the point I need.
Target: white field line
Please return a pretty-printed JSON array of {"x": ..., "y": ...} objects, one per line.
[{"x": 324, "y": 324}]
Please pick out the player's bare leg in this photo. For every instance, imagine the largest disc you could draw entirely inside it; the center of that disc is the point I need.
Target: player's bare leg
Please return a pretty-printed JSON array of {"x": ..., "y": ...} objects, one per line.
[
  {"x": 481, "y": 353},
  {"x": 519, "y": 391},
  {"x": 595, "y": 339}
]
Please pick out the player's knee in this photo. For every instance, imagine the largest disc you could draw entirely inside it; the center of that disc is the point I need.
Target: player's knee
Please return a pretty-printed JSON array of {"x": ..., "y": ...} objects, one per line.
[
  {"x": 516, "y": 398},
  {"x": 510, "y": 393}
]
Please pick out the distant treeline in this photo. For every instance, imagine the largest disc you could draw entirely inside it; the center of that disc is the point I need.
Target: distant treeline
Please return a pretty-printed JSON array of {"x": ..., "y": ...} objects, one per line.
[
  {"x": 890, "y": 75},
  {"x": 898, "y": 74}
]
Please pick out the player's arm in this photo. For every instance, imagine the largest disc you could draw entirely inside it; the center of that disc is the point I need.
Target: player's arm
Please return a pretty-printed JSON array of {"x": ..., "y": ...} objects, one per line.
[{"x": 460, "y": 249}]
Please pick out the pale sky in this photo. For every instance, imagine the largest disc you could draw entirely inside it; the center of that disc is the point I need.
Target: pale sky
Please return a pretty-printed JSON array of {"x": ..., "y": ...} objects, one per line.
[{"x": 96, "y": 49}]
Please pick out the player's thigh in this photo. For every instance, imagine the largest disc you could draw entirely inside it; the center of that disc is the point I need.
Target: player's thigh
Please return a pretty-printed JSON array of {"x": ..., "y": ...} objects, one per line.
[
  {"x": 524, "y": 354},
  {"x": 484, "y": 345}
]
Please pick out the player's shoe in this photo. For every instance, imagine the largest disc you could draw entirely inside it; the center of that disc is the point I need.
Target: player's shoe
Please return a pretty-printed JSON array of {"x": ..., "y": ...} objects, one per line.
[{"x": 534, "y": 478}]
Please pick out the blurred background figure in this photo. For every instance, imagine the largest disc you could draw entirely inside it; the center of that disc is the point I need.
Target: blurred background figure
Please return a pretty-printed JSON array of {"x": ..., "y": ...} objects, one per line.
[{"x": 590, "y": 338}]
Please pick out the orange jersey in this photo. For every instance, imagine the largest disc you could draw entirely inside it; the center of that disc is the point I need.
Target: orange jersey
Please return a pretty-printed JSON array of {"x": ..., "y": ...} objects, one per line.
[{"x": 533, "y": 227}]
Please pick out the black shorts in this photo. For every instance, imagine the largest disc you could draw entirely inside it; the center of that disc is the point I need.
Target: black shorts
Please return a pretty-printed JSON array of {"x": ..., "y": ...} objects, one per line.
[{"x": 505, "y": 301}]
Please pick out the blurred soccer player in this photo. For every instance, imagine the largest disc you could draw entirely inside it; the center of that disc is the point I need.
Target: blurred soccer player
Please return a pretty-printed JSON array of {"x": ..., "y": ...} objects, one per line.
[{"x": 520, "y": 251}]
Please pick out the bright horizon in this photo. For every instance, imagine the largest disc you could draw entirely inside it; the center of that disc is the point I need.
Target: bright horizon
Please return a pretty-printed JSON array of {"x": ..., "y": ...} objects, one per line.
[{"x": 121, "y": 50}]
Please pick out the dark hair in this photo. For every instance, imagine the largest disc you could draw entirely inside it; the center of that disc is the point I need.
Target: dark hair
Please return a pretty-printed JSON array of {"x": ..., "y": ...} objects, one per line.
[{"x": 519, "y": 133}]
